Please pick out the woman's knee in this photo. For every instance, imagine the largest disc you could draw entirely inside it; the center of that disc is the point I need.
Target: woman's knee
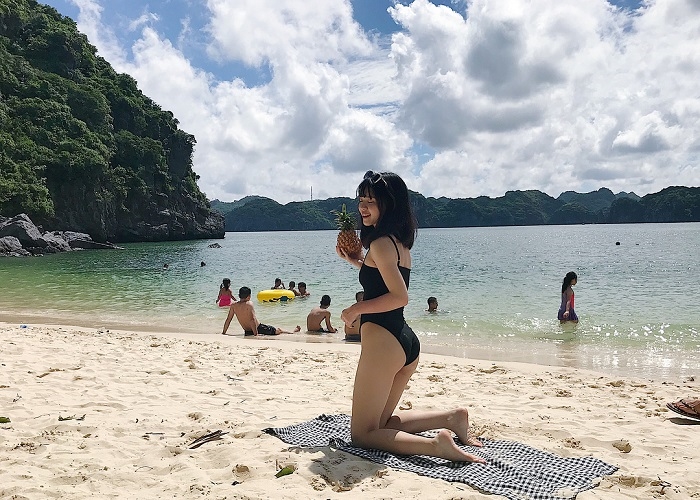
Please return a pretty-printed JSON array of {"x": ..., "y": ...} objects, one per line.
[{"x": 360, "y": 438}]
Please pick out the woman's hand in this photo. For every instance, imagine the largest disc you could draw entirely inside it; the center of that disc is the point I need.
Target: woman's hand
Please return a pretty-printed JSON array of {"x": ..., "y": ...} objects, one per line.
[
  {"x": 355, "y": 260},
  {"x": 349, "y": 315}
]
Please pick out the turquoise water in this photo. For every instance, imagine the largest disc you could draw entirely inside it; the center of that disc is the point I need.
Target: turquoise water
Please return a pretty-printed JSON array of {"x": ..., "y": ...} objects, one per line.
[{"x": 498, "y": 289}]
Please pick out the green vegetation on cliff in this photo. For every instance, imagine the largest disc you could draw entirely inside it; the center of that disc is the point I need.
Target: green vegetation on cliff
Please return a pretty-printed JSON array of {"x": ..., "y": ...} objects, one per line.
[{"x": 81, "y": 147}]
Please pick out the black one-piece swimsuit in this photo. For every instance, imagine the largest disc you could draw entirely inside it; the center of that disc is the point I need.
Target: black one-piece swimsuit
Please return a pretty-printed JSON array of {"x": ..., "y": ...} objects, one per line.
[{"x": 374, "y": 286}]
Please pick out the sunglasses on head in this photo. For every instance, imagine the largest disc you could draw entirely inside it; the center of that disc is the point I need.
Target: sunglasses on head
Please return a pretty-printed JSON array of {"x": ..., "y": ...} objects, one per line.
[{"x": 374, "y": 177}]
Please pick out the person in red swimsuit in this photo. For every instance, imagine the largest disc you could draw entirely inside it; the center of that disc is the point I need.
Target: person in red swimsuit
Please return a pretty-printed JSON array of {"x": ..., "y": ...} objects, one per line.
[{"x": 225, "y": 297}]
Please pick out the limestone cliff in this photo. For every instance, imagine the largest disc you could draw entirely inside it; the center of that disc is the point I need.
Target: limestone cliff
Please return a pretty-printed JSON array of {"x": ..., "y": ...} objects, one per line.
[{"x": 81, "y": 147}]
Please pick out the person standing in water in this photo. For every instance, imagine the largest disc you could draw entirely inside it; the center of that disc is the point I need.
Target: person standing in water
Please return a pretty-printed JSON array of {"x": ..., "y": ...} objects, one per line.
[
  {"x": 390, "y": 349},
  {"x": 566, "y": 309},
  {"x": 225, "y": 297}
]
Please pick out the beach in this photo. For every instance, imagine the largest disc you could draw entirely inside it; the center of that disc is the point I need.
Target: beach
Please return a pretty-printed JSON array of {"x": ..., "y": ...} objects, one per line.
[{"x": 97, "y": 413}]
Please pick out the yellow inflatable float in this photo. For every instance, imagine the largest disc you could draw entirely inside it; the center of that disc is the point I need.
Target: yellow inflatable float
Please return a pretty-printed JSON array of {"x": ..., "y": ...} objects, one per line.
[{"x": 275, "y": 295}]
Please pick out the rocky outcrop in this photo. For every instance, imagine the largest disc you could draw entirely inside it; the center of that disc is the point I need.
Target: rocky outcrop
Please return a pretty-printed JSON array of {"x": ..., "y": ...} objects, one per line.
[
  {"x": 20, "y": 237},
  {"x": 186, "y": 221},
  {"x": 9, "y": 245}
]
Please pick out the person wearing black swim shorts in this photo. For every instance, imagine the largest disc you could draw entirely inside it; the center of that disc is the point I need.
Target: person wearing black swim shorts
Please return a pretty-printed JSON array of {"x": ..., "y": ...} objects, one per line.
[
  {"x": 390, "y": 349},
  {"x": 263, "y": 329},
  {"x": 244, "y": 311}
]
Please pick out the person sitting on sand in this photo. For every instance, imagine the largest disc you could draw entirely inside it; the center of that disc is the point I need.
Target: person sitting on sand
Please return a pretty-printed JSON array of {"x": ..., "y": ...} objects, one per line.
[
  {"x": 225, "y": 297},
  {"x": 293, "y": 288},
  {"x": 689, "y": 408},
  {"x": 245, "y": 313},
  {"x": 320, "y": 314},
  {"x": 352, "y": 331},
  {"x": 302, "y": 290},
  {"x": 278, "y": 285},
  {"x": 432, "y": 305}
]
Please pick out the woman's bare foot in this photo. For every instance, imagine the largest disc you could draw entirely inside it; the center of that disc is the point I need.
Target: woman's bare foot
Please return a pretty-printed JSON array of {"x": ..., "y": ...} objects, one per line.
[
  {"x": 458, "y": 423},
  {"x": 447, "y": 448}
]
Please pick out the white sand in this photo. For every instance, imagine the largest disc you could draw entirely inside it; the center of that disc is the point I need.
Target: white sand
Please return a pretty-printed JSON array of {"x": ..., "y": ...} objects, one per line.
[{"x": 145, "y": 397}]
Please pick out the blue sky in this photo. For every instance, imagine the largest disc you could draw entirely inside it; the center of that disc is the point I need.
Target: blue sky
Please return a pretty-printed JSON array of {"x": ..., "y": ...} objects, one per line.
[
  {"x": 461, "y": 98},
  {"x": 372, "y": 15}
]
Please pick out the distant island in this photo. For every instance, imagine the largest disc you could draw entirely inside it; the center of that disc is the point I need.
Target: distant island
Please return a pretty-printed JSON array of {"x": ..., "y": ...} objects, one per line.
[
  {"x": 82, "y": 148},
  {"x": 515, "y": 208}
]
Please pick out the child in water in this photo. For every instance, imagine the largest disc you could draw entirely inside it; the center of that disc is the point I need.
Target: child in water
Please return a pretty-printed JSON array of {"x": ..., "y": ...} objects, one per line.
[
  {"x": 225, "y": 297},
  {"x": 566, "y": 310},
  {"x": 432, "y": 305}
]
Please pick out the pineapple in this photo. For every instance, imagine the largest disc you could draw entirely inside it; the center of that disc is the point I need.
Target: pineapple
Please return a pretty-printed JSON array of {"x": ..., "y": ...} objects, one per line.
[{"x": 348, "y": 241}]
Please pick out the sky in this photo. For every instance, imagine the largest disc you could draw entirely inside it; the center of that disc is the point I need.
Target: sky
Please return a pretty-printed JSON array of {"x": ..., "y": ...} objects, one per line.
[{"x": 292, "y": 99}]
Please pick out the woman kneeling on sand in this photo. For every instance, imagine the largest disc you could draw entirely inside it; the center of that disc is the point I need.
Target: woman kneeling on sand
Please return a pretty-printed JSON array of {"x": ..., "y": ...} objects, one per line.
[{"x": 390, "y": 349}]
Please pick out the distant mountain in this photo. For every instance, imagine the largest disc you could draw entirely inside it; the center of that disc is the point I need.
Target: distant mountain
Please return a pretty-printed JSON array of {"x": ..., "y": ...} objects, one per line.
[
  {"x": 672, "y": 204},
  {"x": 515, "y": 208},
  {"x": 264, "y": 214},
  {"x": 223, "y": 207},
  {"x": 595, "y": 200}
]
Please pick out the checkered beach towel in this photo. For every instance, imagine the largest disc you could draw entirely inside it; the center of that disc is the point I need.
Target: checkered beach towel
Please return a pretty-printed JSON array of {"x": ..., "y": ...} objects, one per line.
[{"x": 514, "y": 470}]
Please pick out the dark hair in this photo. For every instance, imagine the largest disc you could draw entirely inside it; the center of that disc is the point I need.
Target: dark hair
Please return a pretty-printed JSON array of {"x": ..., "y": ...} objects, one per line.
[
  {"x": 326, "y": 300},
  {"x": 396, "y": 216},
  {"x": 278, "y": 280},
  {"x": 570, "y": 276},
  {"x": 292, "y": 284},
  {"x": 431, "y": 300},
  {"x": 225, "y": 284},
  {"x": 244, "y": 292},
  {"x": 359, "y": 294},
  {"x": 301, "y": 283}
]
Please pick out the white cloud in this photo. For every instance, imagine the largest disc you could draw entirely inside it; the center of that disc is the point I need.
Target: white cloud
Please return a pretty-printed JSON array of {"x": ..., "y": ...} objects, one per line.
[
  {"x": 90, "y": 23},
  {"x": 256, "y": 30},
  {"x": 144, "y": 19},
  {"x": 648, "y": 134},
  {"x": 553, "y": 95}
]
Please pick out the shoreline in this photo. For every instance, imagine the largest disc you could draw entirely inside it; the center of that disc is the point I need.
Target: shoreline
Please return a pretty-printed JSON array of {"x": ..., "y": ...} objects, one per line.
[
  {"x": 607, "y": 361},
  {"x": 132, "y": 401}
]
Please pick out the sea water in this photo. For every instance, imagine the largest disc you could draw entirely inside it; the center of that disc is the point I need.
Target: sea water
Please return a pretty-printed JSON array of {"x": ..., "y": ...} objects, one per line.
[{"x": 498, "y": 288}]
